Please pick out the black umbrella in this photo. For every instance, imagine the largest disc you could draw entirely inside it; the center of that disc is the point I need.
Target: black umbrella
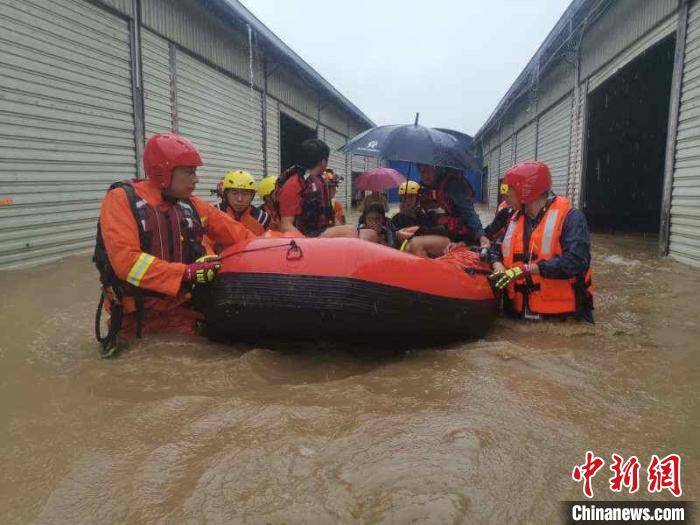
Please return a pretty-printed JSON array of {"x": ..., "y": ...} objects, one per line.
[{"x": 411, "y": 143}]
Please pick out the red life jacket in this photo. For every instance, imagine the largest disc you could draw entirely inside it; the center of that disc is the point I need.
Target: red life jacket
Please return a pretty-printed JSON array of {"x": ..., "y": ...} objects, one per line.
[
  {"x": 544, "y": 296},
  {"x": 174, "y": 235},
  {"x": 316, "y": 209},
  {"x": 441, "y": 209}
]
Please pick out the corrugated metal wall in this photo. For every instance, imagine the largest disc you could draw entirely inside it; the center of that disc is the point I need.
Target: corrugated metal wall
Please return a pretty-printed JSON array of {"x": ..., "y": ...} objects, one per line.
[
  {"x": 627, "y": 28},
  {"x": 66, "y": 124},
  {"x": 506, "y": 159},
  {"x": 359, "y": 164},
  {"x": 554, "y": 85},
  {"x": 300, "y": 117},
  {"x": 273, "y": 137},
  {"x": 66, "y": 110},
  {"x": 493, "y": 177},
  {"x": 658, "y": 33},
  {"x": 337, "y": 162},
  {"x": 123, "y": 6},
  {"x": 334, "y": 119},
  {"x": 525, "y": 143},
  {"x": 685, "y": 203},
  {"x": 187, "y": 24},
  {"x": 576, "y": 156},
  {"x": 222, "y": 117},
  {"x": 156, "y": 83},
  {"x": 553, "y": 141},
  {"x": 624, "y": 23},
  {"x": 294, "y": 93}
]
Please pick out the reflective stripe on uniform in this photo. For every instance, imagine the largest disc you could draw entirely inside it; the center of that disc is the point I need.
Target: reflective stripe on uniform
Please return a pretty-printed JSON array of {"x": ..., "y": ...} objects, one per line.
[
  {"x": 549, "y": 225},
  {"x": 138, "y": 270},
  {"x": 506, "y": 247}
]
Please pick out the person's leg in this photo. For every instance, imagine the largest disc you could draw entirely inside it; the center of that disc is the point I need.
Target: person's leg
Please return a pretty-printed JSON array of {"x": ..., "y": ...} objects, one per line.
[
  {"x": 428, "y": 246},
  {"x": 348, "y": 230}
]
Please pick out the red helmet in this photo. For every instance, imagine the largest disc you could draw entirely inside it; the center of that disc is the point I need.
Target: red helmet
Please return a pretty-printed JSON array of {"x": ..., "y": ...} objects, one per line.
[
  {"x": 166, "y": 151},
  {"x": 529, "y": 180}
]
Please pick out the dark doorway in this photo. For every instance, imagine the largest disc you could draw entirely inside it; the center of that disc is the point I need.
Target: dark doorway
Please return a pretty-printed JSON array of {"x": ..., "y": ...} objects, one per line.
[
  {"x": 626, "y": 144},
  {"x": 292, "y": 134}
]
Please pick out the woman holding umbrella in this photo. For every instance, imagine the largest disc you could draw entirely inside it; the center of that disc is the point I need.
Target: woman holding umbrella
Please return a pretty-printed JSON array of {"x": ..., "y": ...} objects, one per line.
[{"x": 447, "y": 214}]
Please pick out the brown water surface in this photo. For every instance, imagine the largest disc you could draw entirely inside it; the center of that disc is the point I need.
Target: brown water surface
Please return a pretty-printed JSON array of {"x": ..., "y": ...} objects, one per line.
[{"x": 186, "y": 431}]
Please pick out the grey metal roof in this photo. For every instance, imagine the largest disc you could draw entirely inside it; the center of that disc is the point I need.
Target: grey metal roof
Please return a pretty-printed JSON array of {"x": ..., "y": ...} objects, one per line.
[
  {"x": 238, "y": 11},
  {"x": 569, "y": 25}
]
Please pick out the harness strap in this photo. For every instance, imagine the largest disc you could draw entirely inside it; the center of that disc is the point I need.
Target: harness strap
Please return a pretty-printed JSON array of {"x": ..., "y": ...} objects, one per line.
[{"x": 109, "y": 341}]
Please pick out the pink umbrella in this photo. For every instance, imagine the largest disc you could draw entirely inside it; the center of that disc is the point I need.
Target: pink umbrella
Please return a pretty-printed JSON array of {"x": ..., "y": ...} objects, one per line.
[{"x": 379, "y": 179}]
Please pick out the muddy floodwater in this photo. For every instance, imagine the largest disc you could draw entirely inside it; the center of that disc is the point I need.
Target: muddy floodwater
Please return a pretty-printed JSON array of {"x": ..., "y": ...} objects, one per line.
[{"x": 179, "y": 430}]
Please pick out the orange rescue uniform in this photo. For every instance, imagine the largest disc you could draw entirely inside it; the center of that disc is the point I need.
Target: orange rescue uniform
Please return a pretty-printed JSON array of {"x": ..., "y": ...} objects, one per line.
[
  {"x": 248, "y": 220},
  {"x": 545, "y": 296},
  {"x": 122, "y": 242}
]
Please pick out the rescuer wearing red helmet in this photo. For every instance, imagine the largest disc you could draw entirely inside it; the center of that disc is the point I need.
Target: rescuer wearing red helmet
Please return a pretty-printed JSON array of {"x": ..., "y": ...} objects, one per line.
[
  {"x": 544, "y": 258},
  {"x": 149, "y": 248}
]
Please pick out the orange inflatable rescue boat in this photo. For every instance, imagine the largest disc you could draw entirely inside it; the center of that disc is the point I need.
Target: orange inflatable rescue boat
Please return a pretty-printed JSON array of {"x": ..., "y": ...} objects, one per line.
[{"x": 346, "y": 289}]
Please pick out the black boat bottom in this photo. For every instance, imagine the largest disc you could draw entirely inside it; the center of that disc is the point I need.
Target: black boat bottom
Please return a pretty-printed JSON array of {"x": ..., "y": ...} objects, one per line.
[{"x": 251, "y": 307}]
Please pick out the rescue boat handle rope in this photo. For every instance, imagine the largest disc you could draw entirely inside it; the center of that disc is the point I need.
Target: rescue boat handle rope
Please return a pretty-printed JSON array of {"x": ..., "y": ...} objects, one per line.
[{"x": 293, "y": 253}]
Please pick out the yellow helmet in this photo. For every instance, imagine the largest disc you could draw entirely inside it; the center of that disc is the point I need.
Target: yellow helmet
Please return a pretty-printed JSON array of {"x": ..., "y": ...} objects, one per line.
[
  {"x": 267, "y": 185},
  {"x": 410, "y": 187},
  {"x": 239, "y": 180}
]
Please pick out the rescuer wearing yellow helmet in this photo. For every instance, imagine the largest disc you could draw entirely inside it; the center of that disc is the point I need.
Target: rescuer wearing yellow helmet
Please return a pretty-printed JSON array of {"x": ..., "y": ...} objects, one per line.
[
  {"x": 238, "y": 189},
  {"x": 408, "y": 196},
  {"x": 266, "y": 189}
]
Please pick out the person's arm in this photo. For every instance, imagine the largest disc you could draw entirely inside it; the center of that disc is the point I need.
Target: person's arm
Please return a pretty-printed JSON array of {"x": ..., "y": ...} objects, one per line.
[
  {"x": 221, "y": 227},
  {"x": 576, "y": 250},
  {"x": 130, "y": 264},
  {"x": 500, "y": 221},
  {"x": 290, "y": 205},
  {"x": 464, "y": 208}
]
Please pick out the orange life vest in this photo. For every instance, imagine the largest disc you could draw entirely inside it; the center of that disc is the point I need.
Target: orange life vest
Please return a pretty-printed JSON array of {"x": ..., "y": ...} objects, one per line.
[
  {"x": 544, "y": 296},
  {"x": 257, "y": 220}
]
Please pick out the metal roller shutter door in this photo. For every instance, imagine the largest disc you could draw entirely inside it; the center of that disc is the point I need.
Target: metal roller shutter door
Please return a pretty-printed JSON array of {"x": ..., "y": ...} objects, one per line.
[
  {"x": 525, "y": 143},
  {"x": 66, "y": 124},
  {"x": 222, "y": 118},
  {"x": 685, "y": 197},
  {"x": 553, "y": 142},
  {"x": 337, "y": 162},
  {"x": 156, "y": 83}
]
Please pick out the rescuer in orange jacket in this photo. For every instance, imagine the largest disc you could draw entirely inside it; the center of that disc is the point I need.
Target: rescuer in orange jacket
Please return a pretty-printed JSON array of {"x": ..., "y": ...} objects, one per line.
[
  {"x": 238, "y": 190},
  {"x": 149, "y": 244},
  {"x": 265, "y": 190},
  {"x": 545, "y": 253}
]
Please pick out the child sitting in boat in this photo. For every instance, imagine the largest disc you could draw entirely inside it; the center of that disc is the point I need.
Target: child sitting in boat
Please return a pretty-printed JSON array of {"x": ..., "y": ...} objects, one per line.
[{"x": 374, "y": 218}]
